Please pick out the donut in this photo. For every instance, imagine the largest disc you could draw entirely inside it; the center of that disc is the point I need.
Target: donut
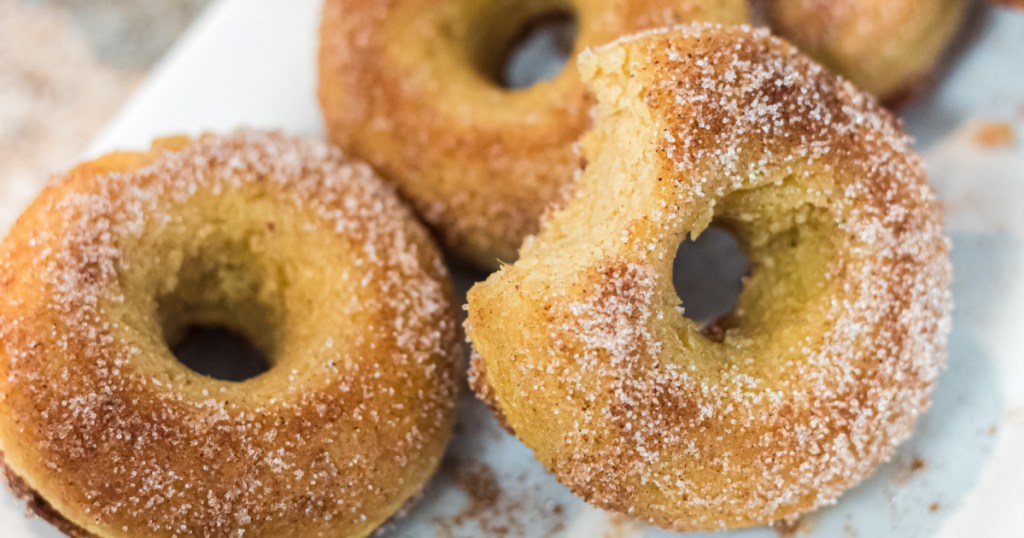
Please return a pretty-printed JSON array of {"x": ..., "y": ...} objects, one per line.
[
  {"x": 887, "y": 47},
  {"x": 298, "y": 247},
  {"x": 837, "y": 337},
  {"x": 409, "y": 86}
]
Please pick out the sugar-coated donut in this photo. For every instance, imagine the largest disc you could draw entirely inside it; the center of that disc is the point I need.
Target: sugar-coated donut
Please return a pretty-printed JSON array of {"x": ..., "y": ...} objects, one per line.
[
  {"x": 287, "y": 241},
  {"x": 407, "y": 85},
  {"x": 838, "y": 335},
  {"x": 886, "y": 47}
]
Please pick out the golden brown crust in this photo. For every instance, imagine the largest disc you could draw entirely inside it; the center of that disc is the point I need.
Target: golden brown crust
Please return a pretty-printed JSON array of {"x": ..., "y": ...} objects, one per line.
[
  {"x": 838, "y": 335},
  {"x": 483, "y": 390},
  {"x": 38, "y": 507},
  {"x": 887, "y": 47},
  {"x": 120, "y": 439},
  {"x": 401, "y": 86}
]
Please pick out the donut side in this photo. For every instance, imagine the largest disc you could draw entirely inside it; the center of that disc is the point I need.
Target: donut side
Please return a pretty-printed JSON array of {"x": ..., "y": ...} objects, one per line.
[{"x": 37, "y": 506}]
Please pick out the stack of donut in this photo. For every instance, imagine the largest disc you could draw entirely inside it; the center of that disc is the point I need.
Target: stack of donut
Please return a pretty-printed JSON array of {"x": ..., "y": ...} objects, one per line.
[
  {"x": 581, "y": 188},
  {"x": 407, "y": 85}
]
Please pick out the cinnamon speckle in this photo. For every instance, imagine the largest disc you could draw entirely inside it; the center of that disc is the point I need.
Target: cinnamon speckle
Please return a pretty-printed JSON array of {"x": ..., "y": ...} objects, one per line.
[
  {"x": 994, "y": 134},
  {"x": 494, "y": 511},
  {"x": 793, "y": 528}
]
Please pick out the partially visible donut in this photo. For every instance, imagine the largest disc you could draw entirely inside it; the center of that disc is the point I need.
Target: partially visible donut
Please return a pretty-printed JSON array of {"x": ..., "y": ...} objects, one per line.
[
  {"x": 887, "y": 47},
  {"x": 408, "y": 85},
  {"x": 838, "y": 336},
  {"x": 287, "y": 241}
]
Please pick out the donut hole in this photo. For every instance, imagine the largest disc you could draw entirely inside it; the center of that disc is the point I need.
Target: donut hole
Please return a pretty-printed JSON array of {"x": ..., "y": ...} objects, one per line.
[
  {"x": 708, "y": 274},
  {"x": 538, "y": 51},
  {"x": 221, "y": 353},
  {"x": 221, "y": 317}
]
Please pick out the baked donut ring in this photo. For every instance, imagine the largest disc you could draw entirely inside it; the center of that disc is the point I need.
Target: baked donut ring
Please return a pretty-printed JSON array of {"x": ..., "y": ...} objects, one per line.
[
  {"x": 287, "y": 241},
  {"x": 407, "y": 85},
  {"x": 838, "y": 335},
  {"x": 886, "y": 47}
]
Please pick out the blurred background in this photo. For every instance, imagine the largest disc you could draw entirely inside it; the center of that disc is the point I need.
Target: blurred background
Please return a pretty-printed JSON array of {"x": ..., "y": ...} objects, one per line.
[{"x": 66, "y": 66}]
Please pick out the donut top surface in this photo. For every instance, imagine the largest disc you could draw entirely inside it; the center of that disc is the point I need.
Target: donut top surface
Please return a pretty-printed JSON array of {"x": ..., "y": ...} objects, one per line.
[
  {"x": 839, "y": 332},
  {"x": 289, "y": 242}
]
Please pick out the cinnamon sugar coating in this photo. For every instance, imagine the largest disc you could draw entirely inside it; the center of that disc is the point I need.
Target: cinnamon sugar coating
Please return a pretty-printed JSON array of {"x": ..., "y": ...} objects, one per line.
[
  {"x": 887, "y": 47},
  {"x": 838, "y": 335},
  {"x": 408, "y": 86},
  {"x": 287, "y": 241}
]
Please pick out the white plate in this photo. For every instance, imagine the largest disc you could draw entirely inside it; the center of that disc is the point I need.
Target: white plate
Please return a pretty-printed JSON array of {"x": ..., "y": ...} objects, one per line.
[{"x": 251, "y": 63}]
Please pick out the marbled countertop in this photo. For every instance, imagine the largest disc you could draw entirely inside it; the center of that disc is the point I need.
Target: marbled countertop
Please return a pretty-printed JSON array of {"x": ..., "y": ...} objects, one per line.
[{"x": 66, "y": 66}]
